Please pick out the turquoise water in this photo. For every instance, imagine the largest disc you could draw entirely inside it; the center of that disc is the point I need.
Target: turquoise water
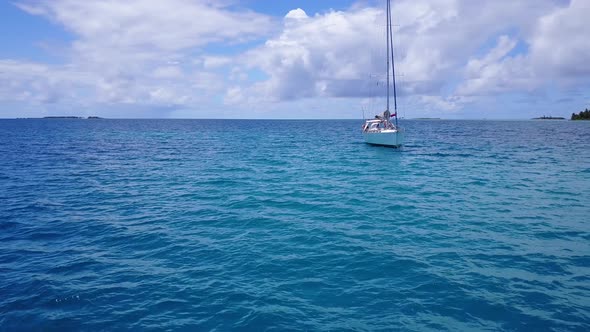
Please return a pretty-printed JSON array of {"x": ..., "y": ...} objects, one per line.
[{"x": 293, "y": 225}]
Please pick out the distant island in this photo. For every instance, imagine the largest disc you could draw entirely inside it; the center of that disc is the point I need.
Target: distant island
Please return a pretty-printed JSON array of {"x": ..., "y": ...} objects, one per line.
[
  {"x": 63, "y": 117},
  {"x": 70, "y": 117},
  {"x": 583, "y": 115},
  {"x": 549, "y": 118}
]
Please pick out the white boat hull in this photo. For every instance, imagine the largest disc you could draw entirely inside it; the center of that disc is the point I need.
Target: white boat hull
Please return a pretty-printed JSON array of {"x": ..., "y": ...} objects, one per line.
[{"x": 393, "y": 138}]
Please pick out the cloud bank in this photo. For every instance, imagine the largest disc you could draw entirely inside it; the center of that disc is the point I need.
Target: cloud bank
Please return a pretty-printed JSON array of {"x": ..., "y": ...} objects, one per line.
[{"x": 196, "y": 54}]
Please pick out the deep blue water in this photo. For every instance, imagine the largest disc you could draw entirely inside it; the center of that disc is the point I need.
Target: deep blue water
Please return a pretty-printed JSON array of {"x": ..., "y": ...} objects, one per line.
[{"x": 293, "y": 225}]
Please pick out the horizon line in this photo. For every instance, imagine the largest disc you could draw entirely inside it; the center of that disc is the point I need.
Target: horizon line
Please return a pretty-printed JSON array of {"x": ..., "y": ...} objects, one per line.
[{"x": 66, "y": 117}]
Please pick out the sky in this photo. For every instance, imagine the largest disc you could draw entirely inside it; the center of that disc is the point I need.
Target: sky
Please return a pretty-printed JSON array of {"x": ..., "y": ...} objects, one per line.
[{"x": 295, "y": 59}]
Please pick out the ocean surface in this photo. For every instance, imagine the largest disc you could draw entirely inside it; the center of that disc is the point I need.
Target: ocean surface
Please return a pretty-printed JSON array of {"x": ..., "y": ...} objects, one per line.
[{"x": 255, "y": 225}]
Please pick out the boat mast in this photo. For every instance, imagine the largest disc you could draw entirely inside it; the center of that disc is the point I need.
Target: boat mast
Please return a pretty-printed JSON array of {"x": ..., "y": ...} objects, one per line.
[
  {"x": 392, "y": 64},
  {"x": 387, "y": 37}
]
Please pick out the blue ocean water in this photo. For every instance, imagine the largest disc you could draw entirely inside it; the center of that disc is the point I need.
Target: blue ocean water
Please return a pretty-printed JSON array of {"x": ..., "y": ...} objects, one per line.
[{"x": 293, "y": 225}]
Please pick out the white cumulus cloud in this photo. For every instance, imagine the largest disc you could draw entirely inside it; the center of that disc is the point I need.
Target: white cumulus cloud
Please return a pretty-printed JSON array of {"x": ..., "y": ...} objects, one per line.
[
  {"x": 182, "y": 53},
  {"x": 447, "y": 51},
  {"x": 134, "y": 52}
]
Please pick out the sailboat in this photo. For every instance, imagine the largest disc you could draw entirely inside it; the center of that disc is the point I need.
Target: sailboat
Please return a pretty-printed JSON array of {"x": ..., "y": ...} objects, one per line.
[{"x": 382, "y": 130}]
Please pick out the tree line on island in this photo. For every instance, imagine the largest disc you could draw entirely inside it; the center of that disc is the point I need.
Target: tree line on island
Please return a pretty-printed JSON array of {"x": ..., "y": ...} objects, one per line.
[
  {"x": 69, "y": 117},
  {"x": 583, "y": 115}
]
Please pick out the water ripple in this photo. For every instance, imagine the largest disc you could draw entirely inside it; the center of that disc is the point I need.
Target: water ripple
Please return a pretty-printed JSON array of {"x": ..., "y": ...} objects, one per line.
[{"x": 282, "y": 225}]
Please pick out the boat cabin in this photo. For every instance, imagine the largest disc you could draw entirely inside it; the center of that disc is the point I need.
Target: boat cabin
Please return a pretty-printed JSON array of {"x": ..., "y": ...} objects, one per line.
[{"x": 377, "y": 125}]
